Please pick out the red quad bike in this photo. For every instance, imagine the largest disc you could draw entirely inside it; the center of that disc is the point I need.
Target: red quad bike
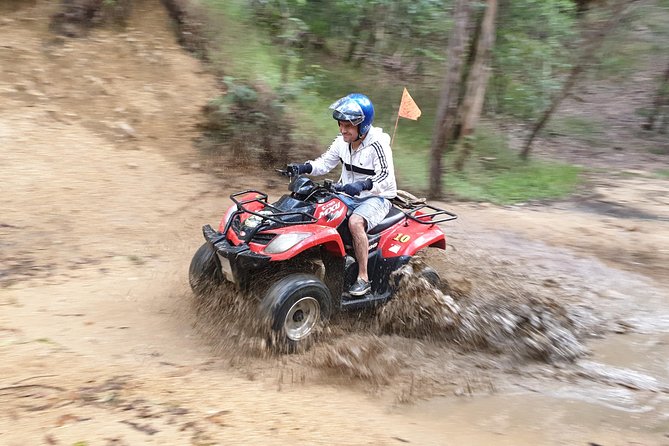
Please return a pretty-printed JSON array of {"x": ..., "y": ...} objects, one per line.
[{"x": 298, "y": 252}]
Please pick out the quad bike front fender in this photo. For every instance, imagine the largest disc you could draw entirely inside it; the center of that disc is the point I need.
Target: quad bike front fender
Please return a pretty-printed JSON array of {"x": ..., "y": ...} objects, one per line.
[{"x": 323, "y": 236}]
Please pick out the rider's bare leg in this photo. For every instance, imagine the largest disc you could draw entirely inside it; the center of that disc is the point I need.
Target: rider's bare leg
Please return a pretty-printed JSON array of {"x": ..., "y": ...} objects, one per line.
[{"x": 357, "y": 225}]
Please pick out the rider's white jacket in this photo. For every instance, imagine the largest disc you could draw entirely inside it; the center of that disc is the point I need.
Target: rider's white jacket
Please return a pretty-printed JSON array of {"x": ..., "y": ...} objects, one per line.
[{"x": 373, "y": 159}]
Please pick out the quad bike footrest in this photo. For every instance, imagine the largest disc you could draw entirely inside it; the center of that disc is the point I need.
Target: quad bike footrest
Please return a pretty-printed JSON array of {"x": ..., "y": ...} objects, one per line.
[{"x": 349, "y": 302}]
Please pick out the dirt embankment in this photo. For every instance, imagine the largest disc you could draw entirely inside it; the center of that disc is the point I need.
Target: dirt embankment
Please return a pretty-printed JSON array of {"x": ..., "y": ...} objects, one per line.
[{"x": 103, "y": 197}]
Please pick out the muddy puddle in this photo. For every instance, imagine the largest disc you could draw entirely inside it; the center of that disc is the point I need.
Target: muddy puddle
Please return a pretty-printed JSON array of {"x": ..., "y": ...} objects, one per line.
[
  {"x": 514, "y": 418},
  {"x": 511, "y": 316}
]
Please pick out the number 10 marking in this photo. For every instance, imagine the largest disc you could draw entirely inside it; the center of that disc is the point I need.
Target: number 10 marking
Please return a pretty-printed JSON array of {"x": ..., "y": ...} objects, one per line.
[{"x": 402, "y": 238}]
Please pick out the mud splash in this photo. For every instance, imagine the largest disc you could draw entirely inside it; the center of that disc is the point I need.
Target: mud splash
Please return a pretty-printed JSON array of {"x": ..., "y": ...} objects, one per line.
[
  {"x": 365, "y": 357},
  {"x": 503, "y": 316},
  {"x": 472, "y": 319},
  {"x": 419, "y": 309},
  {"x": 228, "y": 319}
]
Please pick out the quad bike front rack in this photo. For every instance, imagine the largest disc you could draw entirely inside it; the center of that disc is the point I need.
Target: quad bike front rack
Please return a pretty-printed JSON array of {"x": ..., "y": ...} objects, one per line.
[{"x": 275, "y": 216}]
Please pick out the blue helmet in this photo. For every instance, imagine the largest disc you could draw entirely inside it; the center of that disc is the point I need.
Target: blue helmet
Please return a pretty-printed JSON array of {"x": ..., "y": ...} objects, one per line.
[{"x": 355, "y": 108}]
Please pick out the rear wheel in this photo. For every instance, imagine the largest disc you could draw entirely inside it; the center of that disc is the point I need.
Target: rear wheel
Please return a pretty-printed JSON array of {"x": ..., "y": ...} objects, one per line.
[
  {"x": 431, "y": 275},
  {"x": 204, "y": 274},
  {"x": 295, "y": 309}
]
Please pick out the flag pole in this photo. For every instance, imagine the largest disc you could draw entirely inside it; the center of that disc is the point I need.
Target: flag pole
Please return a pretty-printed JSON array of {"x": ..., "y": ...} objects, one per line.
[
  {"x": 395, "y": 130},
  {"x": 407, "y": 109}
]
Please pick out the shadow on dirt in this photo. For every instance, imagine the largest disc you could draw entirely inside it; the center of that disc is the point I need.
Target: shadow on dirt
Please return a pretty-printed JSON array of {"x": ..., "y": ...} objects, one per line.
[{"x": 616, "y": 210}]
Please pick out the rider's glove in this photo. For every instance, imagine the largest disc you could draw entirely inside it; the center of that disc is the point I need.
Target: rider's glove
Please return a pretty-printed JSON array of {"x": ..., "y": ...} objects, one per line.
[
  {"x": 354, "y": 189},
  {"x": 295, "y": 169}
]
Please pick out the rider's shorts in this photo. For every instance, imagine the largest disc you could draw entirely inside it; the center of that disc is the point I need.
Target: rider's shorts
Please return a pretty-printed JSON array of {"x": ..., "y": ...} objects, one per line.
[{"x": 372, "y": 209}]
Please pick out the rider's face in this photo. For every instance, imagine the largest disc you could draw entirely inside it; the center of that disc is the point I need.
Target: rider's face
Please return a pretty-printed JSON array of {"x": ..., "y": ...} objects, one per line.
[{"x": 348, "y": 131}]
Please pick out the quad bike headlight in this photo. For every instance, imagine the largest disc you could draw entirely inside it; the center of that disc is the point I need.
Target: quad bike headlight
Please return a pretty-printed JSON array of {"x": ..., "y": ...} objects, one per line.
[
  {"x": 254, "y": 220},
  {"x": 284, "y": 242}
]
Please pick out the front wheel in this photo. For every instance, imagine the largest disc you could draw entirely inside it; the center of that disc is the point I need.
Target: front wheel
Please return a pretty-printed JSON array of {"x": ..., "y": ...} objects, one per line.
[
  {"x": 204, "y": 274},
  {"x": 294, "y": 309}
]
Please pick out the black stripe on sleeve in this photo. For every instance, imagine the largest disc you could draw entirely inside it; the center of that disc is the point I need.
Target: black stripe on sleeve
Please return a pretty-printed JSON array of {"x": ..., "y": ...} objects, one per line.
[{"x": 384, "y": 164}]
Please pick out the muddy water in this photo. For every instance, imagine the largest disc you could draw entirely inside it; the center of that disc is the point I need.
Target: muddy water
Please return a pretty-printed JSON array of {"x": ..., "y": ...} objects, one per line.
[
  {"x": 601, "y": 375},
  {"x": 617, "y": 394},
  {"x": 520, "y": 418},
  {"x": 483, "y": 382}
]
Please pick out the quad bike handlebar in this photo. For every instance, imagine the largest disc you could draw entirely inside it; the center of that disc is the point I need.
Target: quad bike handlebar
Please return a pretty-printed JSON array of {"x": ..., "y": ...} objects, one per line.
[
  {"x": 327, "y": 185},
  {"x": 418, "y": 211},
  {"x": 284, "y": 172}
]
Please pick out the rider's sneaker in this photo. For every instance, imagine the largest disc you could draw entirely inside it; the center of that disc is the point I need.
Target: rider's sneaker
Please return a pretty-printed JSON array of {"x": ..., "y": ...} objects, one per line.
[{"x": 360, "y": 288}]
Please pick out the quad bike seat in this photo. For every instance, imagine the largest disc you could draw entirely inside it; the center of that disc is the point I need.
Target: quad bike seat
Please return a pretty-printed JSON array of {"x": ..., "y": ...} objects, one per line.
[
  {"x": 403, "y": 200},
  {"x": 394, "y": 215}
]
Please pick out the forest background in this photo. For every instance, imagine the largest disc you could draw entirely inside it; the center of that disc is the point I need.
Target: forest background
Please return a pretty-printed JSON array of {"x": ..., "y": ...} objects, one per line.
[{"x": 519, "y": 98}]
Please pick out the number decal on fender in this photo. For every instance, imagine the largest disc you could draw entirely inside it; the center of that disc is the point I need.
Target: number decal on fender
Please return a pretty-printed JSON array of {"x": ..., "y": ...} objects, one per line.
[{"x": 402, "y": 238}]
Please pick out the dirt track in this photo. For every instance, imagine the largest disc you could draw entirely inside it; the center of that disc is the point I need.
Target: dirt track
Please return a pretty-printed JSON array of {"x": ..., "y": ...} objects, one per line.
[{"x": 103, "y": 197}]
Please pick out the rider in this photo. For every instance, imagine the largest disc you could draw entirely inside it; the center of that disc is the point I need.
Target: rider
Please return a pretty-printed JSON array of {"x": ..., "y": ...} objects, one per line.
[{"x": 367, "y": 174}]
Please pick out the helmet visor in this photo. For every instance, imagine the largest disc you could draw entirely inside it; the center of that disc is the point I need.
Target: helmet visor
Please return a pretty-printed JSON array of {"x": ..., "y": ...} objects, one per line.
[{"x": 346, "y": 109}]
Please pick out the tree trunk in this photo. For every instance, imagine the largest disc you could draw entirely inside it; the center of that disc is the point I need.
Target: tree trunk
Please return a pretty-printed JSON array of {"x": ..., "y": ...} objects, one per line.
[
  {"x": 353, "y": 43},
  {"x": 579, "y": 67},
  {"x": 355, "y": 36},
  {"x": 477, "y": 81},
  {"x": 444, "y": 128},
  {"x": 661, "y": 100}
]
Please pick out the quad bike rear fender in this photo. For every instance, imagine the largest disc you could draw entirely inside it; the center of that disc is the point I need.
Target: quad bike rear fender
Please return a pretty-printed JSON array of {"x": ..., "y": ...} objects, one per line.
[{"x": 409, "y": 238}]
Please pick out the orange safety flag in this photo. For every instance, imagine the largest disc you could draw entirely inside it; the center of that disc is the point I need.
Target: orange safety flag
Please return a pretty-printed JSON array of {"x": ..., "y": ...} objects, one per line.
[{"x": 408, "y": 108}]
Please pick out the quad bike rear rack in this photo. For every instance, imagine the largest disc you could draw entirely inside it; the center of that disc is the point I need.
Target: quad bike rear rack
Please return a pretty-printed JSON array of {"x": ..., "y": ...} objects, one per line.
[
  {"x": 428, "y": 218},
  {"x": 409, "y": 204},
  {"x": 274, "y": 217}
]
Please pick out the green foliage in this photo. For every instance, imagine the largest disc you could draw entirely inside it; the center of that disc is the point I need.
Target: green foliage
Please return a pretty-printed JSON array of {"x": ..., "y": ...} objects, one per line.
[
  {"x": 493, "y": 173},
  {"x": 526, "y": 182},
  {"x": 249, "y": 126},
  {"x": 240, "y": 94},
  {"x": 373, "y": 30},
  {"x": 641, "y": 36},
  {"x": 405, "y": 39},
  {"x": 531, "y": 54},
  {"x": 239, "y": 48},
  {"x": 581, "y": 128}
]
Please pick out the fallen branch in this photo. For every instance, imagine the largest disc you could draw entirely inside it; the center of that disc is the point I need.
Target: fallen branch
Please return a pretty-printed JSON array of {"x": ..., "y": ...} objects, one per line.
[
  {"x": 27, "y": 386},
  {"x": 147, "y": 429},
  {"x": 33, "y": 377}
]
